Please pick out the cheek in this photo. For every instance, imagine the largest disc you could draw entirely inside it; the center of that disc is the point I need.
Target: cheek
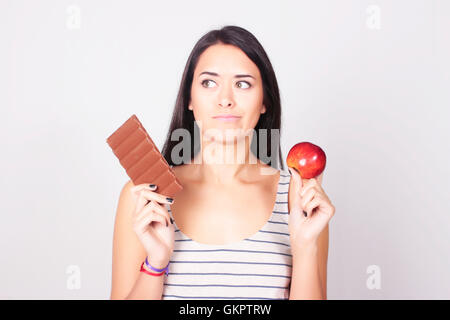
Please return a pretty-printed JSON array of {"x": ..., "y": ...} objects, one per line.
[
  {"x": 202, "y": 114},
  {"x": 252, "y": 113},
  {"x": 251, "y": 101},
  {"x": 252, "y": 120},
  {"x": 200, "y": 105}
]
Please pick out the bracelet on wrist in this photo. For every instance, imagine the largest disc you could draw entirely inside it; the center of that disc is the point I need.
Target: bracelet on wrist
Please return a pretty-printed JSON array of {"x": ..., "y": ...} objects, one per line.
[
  {"x": 150, "y": 273},
  {"x": 158, "y": 271}
]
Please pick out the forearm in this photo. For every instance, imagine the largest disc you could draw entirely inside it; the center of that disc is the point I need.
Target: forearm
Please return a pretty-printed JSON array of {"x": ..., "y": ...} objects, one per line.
[
  {"x": 305, "y": 280},
  {"x": 147, "y": 287}
]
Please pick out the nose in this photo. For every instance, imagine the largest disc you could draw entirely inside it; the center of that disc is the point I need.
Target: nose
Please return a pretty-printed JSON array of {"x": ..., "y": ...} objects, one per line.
[
  {"x": 226, "y": 103},
  {"x": 226, "y": 97}
]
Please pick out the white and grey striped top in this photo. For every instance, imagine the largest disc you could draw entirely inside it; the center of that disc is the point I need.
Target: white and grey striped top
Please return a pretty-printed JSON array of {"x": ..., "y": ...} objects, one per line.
[{"x": 258, "y": 267}]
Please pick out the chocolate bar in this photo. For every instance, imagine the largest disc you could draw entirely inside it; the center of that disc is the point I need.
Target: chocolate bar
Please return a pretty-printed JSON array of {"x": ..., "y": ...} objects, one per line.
[{"x": 141, "y": 159}]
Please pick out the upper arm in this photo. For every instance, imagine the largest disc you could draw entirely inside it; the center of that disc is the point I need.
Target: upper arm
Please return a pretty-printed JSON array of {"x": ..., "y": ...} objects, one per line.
[
  {"x": 128, "y": 252},
  {"x": 322, "y": 243}
]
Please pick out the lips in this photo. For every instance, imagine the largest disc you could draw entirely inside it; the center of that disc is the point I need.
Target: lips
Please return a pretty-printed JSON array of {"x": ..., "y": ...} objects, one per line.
[{"x": 227, "y": 118}]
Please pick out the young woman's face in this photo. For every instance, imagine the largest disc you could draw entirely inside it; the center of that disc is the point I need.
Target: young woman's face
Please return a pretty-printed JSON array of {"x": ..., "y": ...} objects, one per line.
[{"x": 226, "y": 83}]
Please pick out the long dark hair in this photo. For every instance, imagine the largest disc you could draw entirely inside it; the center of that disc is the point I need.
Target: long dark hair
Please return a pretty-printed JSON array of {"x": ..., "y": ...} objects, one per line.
[{"x": 184, "y": 118}]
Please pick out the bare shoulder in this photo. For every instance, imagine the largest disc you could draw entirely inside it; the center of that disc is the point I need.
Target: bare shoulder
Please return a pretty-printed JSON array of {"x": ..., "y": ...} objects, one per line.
[
  {"x": 127, "y": 186},
  {"x": 126, "y": 197},
  {"x": 126, "y": 205}
]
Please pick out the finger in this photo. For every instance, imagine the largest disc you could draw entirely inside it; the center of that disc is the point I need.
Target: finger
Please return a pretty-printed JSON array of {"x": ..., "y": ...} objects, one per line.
[
  {"x": 309, "y": 195},
  {"x": 149, "y": 217},
  {"x": 139, "y": 187},
  {"x": 136, "y": 189},
  {"x": 141, "y": 202},
  {"x": 297, "y": 179},
  {"x": 310, "y": 183},
  {"x": 310, "y": 206},
  {"x": 295, "y": 185},
  {"x": 151, "y": 195},
  {"x": 155, "y": 217},
  {"x": 153, "y": 206},
  {"x": 319, "y": 178},
  {"x": 143, "y": 224},
  {"x": 147, "y": 207},
  {"x": 156, "y": 207},
  {"x": 162, "y": 211}
]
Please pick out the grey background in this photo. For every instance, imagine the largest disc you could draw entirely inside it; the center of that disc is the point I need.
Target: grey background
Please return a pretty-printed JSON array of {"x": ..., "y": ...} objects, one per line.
[{"x": 375, "y": 99}]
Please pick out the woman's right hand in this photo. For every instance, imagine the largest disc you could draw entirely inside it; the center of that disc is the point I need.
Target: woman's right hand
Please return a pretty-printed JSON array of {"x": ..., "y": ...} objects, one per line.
[{"x": 152, "y": 225}]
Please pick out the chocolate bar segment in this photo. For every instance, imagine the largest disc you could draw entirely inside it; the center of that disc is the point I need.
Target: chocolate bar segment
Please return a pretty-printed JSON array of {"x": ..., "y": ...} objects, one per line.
[{"x": 141, "y": 159}]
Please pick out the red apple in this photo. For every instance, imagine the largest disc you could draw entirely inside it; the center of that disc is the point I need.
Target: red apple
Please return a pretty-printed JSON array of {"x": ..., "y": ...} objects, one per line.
[{"x": 307, "y": 158}]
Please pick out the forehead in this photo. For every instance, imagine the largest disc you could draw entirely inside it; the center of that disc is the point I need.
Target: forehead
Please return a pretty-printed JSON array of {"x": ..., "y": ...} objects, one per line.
[{"x": 226, "y": 60}]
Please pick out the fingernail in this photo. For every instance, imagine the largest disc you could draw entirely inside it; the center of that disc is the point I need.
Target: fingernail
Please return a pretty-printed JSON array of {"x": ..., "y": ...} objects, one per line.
[
  {"x": 169, "y": 199},
  {"x": 171, "y": 220},
  {"x": 152, "y": 186},
  {"x": 304, "y": 213},
  {"x": 167, "y": 224}
]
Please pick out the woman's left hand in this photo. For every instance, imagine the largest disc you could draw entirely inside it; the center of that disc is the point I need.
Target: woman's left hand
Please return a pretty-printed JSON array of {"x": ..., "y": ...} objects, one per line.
[{"x": 307, "y": 195}]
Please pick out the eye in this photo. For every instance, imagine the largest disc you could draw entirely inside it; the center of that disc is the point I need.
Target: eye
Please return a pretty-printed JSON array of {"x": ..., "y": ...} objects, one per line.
[
  {"x": 249, "y": 85},
  {"x": 207, "y": 80}
]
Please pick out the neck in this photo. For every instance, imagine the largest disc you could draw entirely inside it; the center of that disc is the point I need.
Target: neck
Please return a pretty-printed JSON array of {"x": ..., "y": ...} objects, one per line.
[{"x": 222, "y": 162}]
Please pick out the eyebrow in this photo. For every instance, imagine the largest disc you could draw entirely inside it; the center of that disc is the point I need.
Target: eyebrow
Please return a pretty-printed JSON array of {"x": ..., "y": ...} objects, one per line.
[{"x": 236, "y": 76}]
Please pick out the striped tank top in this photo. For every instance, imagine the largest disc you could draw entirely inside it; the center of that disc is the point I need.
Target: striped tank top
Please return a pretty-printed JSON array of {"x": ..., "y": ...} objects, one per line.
[{"x": 258, "y": 267}]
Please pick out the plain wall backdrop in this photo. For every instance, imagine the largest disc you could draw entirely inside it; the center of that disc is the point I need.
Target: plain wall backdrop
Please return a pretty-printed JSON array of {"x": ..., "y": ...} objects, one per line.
[{"x": 368, "y": 81}]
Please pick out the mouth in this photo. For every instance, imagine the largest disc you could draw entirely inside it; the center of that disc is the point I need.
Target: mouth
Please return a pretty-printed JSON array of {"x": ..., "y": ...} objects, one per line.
[{"x": 227, "y": 118}]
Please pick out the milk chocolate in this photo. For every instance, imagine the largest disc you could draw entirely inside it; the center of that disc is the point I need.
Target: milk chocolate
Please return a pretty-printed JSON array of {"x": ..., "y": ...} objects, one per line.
[{"x": 141, "y": 159}]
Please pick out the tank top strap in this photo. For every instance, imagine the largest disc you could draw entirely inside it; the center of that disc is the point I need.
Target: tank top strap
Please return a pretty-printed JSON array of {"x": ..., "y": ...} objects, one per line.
[{"x": 277, "y": 198}]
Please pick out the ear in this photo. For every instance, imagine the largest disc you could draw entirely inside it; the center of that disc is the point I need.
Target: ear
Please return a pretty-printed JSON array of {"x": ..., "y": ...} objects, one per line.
[{"x": 263, "y": 109}]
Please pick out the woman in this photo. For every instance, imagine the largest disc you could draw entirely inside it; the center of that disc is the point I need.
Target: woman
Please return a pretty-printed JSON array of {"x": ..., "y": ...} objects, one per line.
[{"x": 237, "y": 230}]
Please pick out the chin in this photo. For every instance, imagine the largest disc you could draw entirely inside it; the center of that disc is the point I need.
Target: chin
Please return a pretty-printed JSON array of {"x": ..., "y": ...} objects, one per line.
[{"x": 226, "y": 135}]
